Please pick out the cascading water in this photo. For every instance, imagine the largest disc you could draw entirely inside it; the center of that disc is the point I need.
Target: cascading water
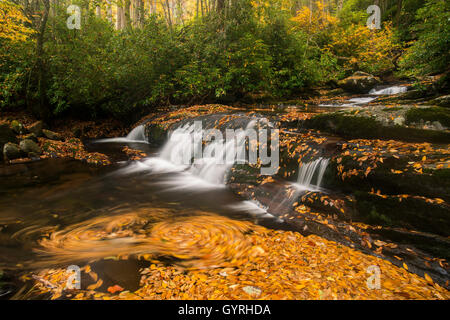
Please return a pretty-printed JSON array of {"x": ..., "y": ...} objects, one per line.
[
  {"x": 307, "y": 172},
  {"x": 215, "y": 163},
  {"x": 364, "y": 100},
  {"x": 135, "y": 135},
  {"x": 389, "y": 91}
]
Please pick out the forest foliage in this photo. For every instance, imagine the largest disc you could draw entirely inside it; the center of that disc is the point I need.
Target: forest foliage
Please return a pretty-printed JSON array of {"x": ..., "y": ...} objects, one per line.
[{"x": 129, "y": 56}]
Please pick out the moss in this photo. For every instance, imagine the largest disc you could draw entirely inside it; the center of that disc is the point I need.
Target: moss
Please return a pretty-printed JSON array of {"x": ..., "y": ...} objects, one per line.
[
  {"x": 429, "y": 114},
  {"x": 392, "y": 109},
  {"x": 435, "y": 246},
  {"x": 244, "y": 174},
  {"x": 156, "y": 134},
  {"x": 410, "y": 213},
  {"x": 431, "y": 184},
  {"x": 367, "y": 128}
]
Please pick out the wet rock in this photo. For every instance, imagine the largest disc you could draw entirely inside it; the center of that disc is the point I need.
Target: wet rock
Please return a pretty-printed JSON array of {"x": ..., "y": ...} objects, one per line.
[
  {"x": 399, "y": 121},
  {"x": 28, "y": 146},
  {"x": 36, "y": 128},
  {"x": 155, "y": 134},
  {"x": 443, "y": 101},
  {"x": 17, "y": 127},
  {"x": 437, "y": 125},
  {"x": 51, "y": 135},
  {"x": 365, "y": 127},
  {"x": 428, "y": 115},
  {"x": 11, "y": 151},
  {"x": 359, "y": 82}
]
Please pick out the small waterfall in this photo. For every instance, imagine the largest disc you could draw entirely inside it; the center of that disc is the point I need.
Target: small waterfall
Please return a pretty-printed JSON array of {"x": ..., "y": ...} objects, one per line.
[
  {"x": 357, "y": 101},
  {"x": 178, "y": 149},
  {"x": 215, "y": 163},
  {"x": 307, "y": 172},
  {"x": 137, "y": 134},
  {"x": 351, "y": 102},
  {"x": 389, "y": 91}
]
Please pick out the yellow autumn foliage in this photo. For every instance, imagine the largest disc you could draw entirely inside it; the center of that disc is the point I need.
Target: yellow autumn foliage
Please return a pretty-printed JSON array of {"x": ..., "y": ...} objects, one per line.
[
  {"x": 12, "y": 22},
  {"x": 314, "y": 21},
  {"x": 366, "y": 49}
]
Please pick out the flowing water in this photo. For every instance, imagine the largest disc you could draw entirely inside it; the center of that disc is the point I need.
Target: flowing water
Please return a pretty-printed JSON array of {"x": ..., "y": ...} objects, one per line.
[
  {"x": 389, "y": 90},
  {"x": 55, "y": 212},
  {"x": 372, "y": 96},
  {"x": 74, "y": 203}
]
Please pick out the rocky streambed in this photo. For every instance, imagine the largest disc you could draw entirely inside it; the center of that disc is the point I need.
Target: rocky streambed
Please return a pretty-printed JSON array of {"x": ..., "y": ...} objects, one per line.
[{"x": 370, "y": 177}]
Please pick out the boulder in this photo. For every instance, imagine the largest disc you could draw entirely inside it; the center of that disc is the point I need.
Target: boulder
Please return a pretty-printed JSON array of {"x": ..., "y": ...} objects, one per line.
[
  {"x": 399, "y": 121},
  {"x": 11, "y": 151},
  {"x": 359, "y": 82},
  {"x": 443, "y": 101},
  {"x": 36, "y": 128},
  {"x": 28, "y": 146},
  {"x": 51, "y": 135}
]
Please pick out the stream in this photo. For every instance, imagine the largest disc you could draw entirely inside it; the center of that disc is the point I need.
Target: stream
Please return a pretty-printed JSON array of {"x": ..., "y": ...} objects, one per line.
[{"x": 70, "y": 200}]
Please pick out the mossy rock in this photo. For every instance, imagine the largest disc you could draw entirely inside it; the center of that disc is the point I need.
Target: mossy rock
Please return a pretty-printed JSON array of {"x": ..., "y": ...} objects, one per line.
[
  {"x": 52, "y": 135},
  {"x": 359, "y": 82},
  {"x": 431, "y": 184},
  {"x": 244, "y": 174},
  {"x": 410, "y": 213},
  {"x": 355, "y": 127},
  {"x": 443, "y": 101},
  {"x": 11, "y": 151},
  {"x": 29, "y": 146},
  {"x": 415, "y": 115},
  {"x": 436, "y": 246},
  {"x": 155, "y": 133}
]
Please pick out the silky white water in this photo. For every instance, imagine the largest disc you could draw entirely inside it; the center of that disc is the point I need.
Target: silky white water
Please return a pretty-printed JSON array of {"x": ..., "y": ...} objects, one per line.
[
  {"x": 218, "y": 157},
  {"x": 135, "y": 135},
  {"x": 389, "y": 91},
  {"x": 308, "y": 171}
]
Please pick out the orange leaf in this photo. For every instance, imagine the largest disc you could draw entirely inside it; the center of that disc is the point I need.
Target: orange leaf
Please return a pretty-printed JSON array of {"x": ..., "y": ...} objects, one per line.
[{"x": 115, "y": 288}]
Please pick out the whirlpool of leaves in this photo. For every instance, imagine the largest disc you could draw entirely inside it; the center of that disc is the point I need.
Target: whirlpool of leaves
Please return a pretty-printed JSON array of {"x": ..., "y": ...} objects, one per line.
[{"x": 212, "y": 257}]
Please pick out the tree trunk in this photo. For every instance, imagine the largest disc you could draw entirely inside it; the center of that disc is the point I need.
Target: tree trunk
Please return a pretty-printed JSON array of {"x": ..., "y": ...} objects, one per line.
[
  {"x": 108, "y": 10},
  {"x": 220, "y": 5},
  {"x": 43, "y": 111},
  {"x": 399, "y": 12},
  {"x": 119, "y": 18},
  {"x": 127, "y": 20}
]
